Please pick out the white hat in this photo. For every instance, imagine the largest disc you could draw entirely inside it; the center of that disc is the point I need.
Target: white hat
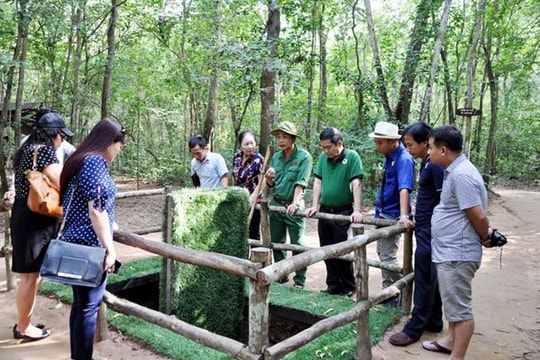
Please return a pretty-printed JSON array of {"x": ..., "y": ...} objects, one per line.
[{"x": 385, "y": 130}]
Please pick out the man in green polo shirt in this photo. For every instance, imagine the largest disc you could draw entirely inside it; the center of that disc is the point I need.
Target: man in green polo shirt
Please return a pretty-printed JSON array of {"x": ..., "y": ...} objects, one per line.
[
  {"x": 287, "y": 178},
  {"x": 337, "y": 190}
]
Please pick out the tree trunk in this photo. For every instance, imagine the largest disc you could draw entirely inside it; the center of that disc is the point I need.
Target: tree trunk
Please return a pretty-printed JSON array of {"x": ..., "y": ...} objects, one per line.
[
  {"x": 435, "y": 62},
  {"x": 493, "y": 81},
  {"x": 268, "y": 76},
  {"x": 323, "y": 81},
  {"x": 471, "y": 69},
  {"x": 107, "y": 78},
  {"x": 448, "y": 88},
  {"x": 75, "y": 96},
  {"x": 18, "y": 54},
  {"x": 358, "y": 91},
  {"x": 213, "y": 90},
  {"x": 419, "y": 34},
  {"x": 311, "y": 73},
  {"x": 381, "y": 82}
]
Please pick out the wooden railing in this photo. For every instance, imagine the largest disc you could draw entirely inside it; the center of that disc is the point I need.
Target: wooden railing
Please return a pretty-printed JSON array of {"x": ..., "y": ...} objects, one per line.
[{"x": 261, "y": 272}]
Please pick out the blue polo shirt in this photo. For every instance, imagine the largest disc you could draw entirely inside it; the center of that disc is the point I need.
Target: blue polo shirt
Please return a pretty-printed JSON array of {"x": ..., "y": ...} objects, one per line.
[
  {"x": 398, "y": 175},
  {"x": 429, "y": 190}
]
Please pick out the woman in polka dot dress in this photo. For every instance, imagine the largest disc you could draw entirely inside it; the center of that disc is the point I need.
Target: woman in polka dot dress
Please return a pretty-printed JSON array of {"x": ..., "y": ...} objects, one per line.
[
  {"x": 31, "y": 232},
  {"x": 88, "y": 195}
]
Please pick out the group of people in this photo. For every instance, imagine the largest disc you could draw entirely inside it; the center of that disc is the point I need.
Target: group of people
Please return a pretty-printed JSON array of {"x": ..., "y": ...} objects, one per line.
[
  {"x": 449, "y": 221},
  {"x": 88, "y": 195}
]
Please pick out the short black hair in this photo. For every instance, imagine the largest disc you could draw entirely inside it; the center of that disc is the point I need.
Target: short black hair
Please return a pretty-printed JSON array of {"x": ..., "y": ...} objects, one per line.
[
  {"x": 332, "y": 134},
  {"x": 197, "y": 140},
  {"x": 448, "y": 136},
  {"x": 418, "y": 131}
]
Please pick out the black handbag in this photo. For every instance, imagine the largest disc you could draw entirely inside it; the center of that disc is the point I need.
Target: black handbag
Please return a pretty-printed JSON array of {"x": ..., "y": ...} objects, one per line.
[{"x": 73, "y": 264}]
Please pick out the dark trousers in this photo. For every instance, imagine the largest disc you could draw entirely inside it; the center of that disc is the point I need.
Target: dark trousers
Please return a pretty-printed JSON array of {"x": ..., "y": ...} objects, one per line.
[
  {"x": 339, "y": 273},
  {"x": 427, "y": 311},
  {"x": 254, "y": 225},
  {"x": 82, "y": 320}
]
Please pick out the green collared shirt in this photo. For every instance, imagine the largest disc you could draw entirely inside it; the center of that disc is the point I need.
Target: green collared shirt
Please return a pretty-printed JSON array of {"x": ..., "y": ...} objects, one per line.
[
  {"x": 336, "y": 177},
  {"x": 290, "y": 172}
]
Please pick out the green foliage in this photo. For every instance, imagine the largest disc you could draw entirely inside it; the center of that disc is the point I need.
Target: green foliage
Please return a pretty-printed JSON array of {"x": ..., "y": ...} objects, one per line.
[
  {"x": 213, "y": 221},
  {"x": 167, "y": 52}
]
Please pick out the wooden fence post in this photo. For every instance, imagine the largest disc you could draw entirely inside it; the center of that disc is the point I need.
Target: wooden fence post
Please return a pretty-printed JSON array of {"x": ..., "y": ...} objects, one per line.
[
  {"x": 406, "y": 294},
  {"x": 259, "y": 305},
  {"x": 265, "y": 221},
  {"x": 11, "y": 278},
  {"x": 102, "y": 331},
  {"x": 361, "y": 269},
  {"x": 168, "y": 262}
]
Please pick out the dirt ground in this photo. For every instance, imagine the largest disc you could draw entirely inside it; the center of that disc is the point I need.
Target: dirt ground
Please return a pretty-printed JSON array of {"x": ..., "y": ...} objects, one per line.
[{"x": 506, "y": 291}]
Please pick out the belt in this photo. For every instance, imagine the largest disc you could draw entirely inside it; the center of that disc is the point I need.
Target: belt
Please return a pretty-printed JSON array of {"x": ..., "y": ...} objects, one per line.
[
  {"x": 282, "y": 202},
  {"x": 335, "y": 210}
]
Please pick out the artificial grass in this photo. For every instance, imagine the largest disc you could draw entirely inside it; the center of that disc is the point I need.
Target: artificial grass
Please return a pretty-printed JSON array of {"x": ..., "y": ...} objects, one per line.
[
  {"x": 214, "y": 221},
  {"x": 337, "y": 344}
]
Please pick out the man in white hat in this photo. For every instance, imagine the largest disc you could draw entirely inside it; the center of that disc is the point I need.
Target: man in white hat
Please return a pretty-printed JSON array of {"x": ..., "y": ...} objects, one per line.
[{"x": 393, "y": 197}]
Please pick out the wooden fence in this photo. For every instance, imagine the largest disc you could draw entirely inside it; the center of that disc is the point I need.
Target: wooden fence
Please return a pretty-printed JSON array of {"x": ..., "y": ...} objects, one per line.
[{"x": 261, "y": 272}]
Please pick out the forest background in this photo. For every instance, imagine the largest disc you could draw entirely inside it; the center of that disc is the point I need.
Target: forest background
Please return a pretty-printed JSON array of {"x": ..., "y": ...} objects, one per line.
[{"x": 169, "y": 69}]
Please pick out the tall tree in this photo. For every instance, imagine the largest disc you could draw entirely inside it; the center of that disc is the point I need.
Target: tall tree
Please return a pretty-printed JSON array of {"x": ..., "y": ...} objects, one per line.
[
  {"x": 19, "y": 58},
  {"x": 381, "y": 82},
  {"x": 111, "y": 46},
  {"x": 323, "y": 78},
  {"x": 493, "y": 81},
  {"x": 75, "y": 90},
  {"x": 435, "y": 62},
  {"x": 471, "y": 70},
  {"x": 419, "y": 34},
  {"x": 269, "y": 74},
  {"x": 213, "y": 88},
  {"x": 358, "y": 86}
]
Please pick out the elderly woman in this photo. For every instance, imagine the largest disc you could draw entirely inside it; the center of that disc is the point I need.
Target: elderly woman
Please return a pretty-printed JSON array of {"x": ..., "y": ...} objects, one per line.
[
  {"x": 247, "y": 166},
  {"x": 30, "y": 231},
  {"x": 88, "y": 193}
]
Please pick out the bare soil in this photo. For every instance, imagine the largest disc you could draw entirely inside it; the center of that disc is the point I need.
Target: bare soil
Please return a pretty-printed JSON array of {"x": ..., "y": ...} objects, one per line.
[{"x": 506, "y": 290}]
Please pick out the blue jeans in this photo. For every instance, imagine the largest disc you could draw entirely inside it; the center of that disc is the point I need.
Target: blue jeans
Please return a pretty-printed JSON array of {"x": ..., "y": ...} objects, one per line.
[{"x": 82, "y": 320}]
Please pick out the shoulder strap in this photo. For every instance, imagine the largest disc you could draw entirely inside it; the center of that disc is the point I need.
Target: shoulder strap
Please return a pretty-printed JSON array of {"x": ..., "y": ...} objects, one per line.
[
  {"x": 34, "y": 161},
  {"x": 66, "y": 210}
]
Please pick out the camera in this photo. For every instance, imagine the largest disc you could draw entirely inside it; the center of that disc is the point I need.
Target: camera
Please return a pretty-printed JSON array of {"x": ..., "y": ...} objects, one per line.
[{"x": 497, "y": 239}]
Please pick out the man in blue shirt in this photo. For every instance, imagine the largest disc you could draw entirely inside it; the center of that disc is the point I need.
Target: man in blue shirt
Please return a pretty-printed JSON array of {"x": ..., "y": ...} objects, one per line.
[
  {"x": 208, "y": 169},
  {"x": 393, "y": 197}
]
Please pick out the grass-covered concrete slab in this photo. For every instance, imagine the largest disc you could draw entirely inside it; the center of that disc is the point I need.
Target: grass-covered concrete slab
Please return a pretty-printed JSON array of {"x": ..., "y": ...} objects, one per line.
[{"x": 214, "y": 221}]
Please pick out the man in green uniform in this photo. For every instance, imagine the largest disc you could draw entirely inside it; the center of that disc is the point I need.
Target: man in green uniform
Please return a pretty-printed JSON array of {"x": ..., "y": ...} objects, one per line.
[
  {"x": 337, "y": 190},
  {"x": 287, "y": 177}
]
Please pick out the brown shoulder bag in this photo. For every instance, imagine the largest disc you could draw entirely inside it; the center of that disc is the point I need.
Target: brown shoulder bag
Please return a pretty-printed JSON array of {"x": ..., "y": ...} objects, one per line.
[{"x": 43, "y": 197}]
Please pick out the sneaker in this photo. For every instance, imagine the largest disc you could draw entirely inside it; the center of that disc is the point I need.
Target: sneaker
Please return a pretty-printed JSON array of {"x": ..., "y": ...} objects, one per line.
[
  {"x": 282, "y": 280},
  {"x": 298, "y": 286}
]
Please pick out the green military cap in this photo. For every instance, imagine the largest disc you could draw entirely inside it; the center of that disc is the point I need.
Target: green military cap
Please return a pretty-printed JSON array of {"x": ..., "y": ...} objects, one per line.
[{"x": 287, "y": 127}]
